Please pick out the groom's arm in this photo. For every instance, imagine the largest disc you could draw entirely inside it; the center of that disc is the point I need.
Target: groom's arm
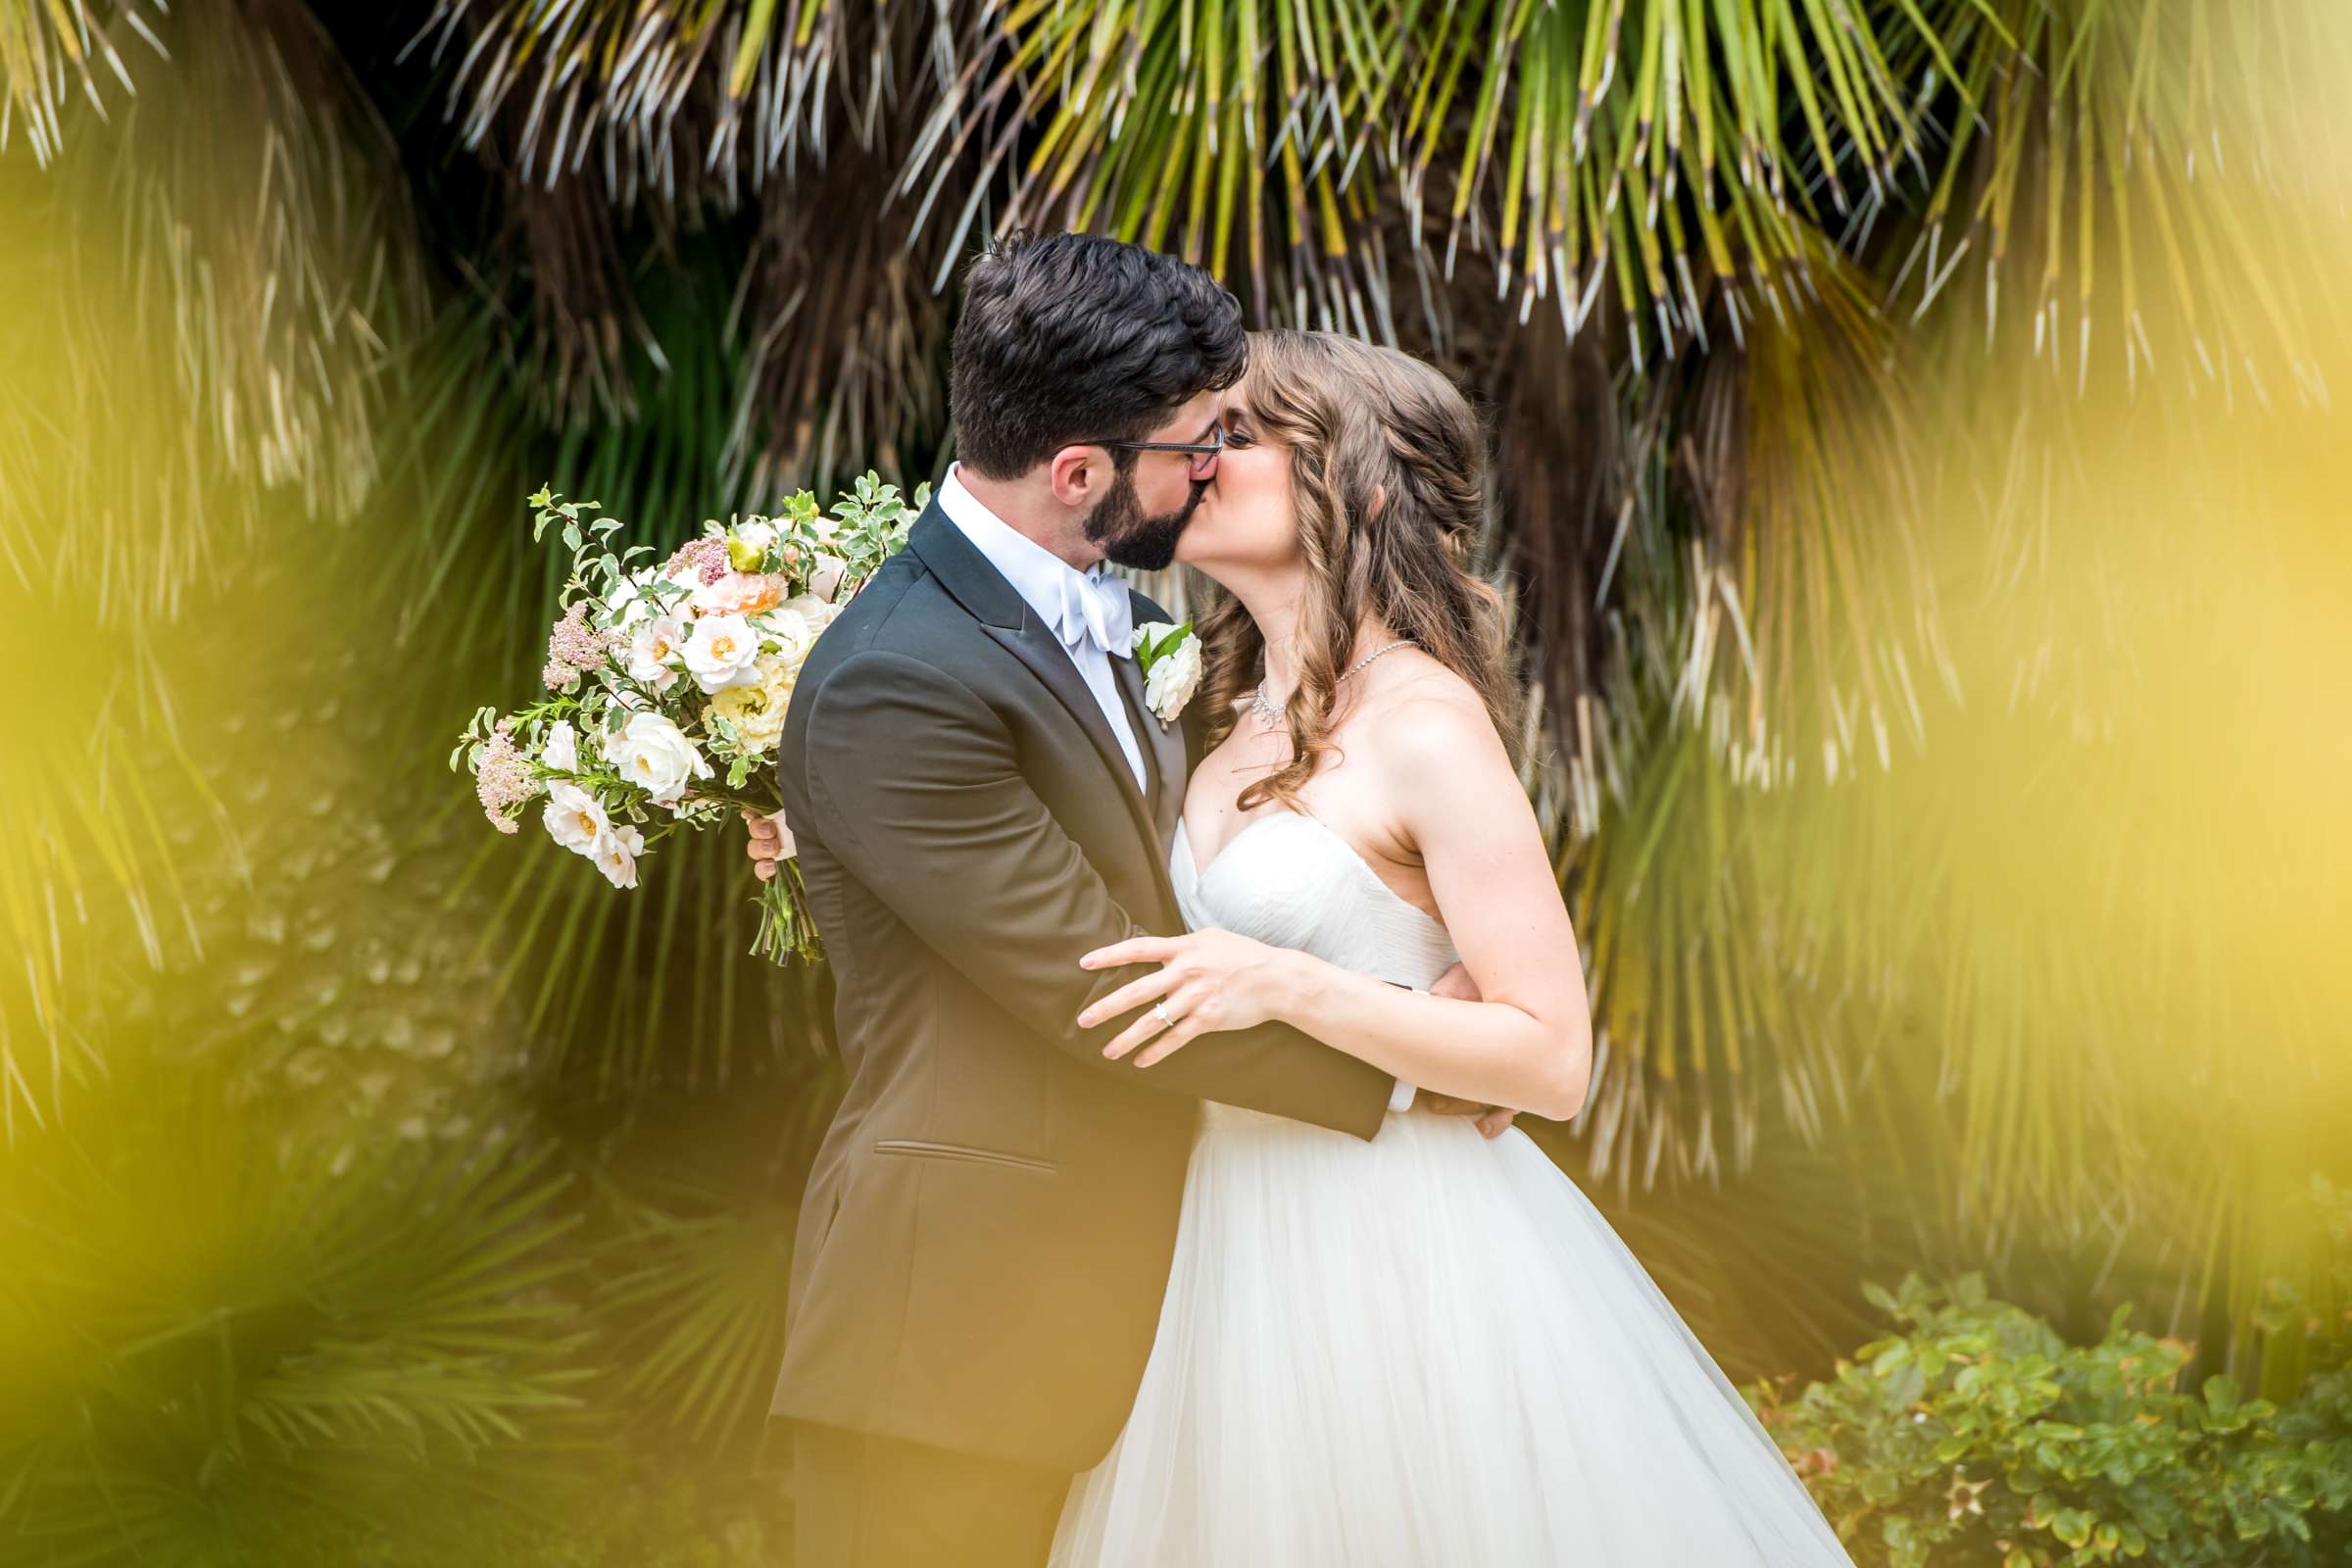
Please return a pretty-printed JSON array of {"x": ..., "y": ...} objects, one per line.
[
  {"x": 1195, "y": 746},
  {"x": 916, "y": 785}
]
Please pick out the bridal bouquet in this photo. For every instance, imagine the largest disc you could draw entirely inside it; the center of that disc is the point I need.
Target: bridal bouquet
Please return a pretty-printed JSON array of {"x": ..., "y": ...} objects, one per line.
[{"x": 668, "y": 683}]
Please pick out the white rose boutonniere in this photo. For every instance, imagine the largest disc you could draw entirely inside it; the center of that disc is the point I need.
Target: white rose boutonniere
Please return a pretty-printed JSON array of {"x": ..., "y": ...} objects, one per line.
[{"x": 1171, "y": 661}]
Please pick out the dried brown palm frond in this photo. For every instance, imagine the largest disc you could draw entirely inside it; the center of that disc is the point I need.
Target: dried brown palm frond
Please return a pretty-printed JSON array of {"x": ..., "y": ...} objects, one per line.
[
  {"x": 597, "y": 116},
  {"x": 1819, "y": 612},
  {"x": 52, "y": 50},
  {"x": 665, "y": 100},
  {"x": 1229, "y": 134},
  {"x": 193, "y": 361},
  {"x": 844, "y": 339},
  {"x": 222, "y": 281},
  {"x": 1561, "y": 434},
  {"x": 559, "y": 290}
]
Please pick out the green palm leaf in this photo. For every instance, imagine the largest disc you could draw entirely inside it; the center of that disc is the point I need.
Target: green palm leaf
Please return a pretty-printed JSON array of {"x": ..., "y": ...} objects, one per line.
[
  {"x": 210, "y": 1329},
  {"x": 52, "y": 48}
]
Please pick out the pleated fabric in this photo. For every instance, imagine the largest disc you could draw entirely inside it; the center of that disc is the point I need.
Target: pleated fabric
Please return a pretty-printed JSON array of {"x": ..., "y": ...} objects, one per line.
[{"x": 1421, "y": 1352}]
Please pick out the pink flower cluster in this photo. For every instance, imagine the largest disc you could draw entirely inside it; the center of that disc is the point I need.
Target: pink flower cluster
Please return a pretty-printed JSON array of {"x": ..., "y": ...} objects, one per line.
[
  {"x": 706, "y": 554},
  {"x": 574, "y": 646},
  {"x": 504, "y": 780}
]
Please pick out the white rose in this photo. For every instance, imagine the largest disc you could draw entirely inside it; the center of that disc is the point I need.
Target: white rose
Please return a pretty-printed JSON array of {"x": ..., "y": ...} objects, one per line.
[
  {"x": 824, "y": 577},
  {"x": 574, "y": 818},
  {"x": 761, "y": 537},
  {"x": 562, "y": 749},
  {"x": 814, "y": 610},
  {"x": 655, "y": 650},
  {"x": 655, "y": 755},
  {"x": 723, "y": 652},
  {"x": 1174, "y": 675},
  {"x": 628, "y": 603},
  {"x": 794, "y": 632},
  {"x": 616, "y": 854}
]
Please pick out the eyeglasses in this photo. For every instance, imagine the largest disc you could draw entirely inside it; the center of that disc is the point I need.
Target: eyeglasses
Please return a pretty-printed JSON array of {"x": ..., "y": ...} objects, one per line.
[{"x": 1203, "y": 453}]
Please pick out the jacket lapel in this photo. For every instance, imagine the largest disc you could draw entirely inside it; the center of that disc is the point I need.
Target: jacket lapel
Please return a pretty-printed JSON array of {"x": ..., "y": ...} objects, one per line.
[
  {"x": 1163, "y": 748},
  {"x": 1007, "y": 618}
]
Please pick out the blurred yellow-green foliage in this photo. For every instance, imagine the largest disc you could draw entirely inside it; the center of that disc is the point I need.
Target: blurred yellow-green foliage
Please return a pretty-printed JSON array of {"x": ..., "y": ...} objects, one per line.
[{"x": 1920, "y": 445}]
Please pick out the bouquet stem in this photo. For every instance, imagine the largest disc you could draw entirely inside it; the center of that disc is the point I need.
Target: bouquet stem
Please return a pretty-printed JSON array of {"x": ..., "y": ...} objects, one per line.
[{"x": 786, "y": 932}]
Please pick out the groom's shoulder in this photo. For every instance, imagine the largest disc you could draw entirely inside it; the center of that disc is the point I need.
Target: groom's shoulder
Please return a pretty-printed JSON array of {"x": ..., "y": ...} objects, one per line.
[{"x": 902, "y": 611}]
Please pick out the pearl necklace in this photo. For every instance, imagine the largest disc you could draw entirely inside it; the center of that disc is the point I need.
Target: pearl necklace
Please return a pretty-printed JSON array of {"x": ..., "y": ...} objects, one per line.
[{"x": 1273, "y": 715}]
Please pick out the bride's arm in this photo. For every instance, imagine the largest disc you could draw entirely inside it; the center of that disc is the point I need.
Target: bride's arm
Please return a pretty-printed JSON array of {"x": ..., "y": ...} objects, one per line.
[{"x": 1527, "y": 1044}]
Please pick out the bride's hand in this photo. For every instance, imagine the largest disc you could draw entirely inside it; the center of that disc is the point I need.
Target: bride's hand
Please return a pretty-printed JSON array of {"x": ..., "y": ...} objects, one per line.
[{"x": 1207, "y": 980}]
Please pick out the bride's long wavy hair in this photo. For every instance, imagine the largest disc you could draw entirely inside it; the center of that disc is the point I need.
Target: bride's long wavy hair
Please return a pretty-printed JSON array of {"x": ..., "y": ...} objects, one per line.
[{"x": 1389, "y": 485}]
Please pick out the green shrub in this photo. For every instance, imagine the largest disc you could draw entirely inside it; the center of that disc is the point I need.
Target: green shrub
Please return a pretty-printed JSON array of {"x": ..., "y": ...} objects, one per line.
[{"x": 1975, "y": 1435}]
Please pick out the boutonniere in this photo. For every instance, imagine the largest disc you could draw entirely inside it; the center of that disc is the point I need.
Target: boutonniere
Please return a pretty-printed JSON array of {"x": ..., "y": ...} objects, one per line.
[{"x": 1171, "y": 660}]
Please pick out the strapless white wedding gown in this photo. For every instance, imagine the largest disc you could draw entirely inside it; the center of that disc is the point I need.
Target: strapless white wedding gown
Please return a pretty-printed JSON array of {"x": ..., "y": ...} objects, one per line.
[{"x": 1428, "y": 1349}]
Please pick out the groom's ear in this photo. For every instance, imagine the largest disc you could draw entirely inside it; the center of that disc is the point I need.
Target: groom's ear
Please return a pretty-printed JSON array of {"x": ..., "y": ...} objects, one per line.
[{"x": 1079, "y": 476}]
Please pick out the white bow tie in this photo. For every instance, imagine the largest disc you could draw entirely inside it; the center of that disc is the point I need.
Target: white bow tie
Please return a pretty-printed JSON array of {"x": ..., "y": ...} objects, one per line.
[{"x": 1094, "y": 609}]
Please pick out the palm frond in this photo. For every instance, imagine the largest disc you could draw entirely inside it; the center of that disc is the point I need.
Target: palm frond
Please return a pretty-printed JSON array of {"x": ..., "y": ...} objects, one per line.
[
  {"x": 661, "y": 101},
  {"x": 1226, "y": 134},
  {"x": 213, "y": 1327},
  {"x": 846, "y": 343},
  {"x": 51, "y": 49},
  {"x": 1649, "y": 154},
  {"x": 223, "y": 276},
  {"x": 703, "y": 1292},
  {"x": 1817, "y": 611},
  {"x": 2137, "y": 183}
]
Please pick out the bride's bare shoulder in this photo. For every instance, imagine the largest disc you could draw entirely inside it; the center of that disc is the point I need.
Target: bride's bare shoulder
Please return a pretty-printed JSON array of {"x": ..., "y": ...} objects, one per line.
[{"x": 1423, "y": 717}]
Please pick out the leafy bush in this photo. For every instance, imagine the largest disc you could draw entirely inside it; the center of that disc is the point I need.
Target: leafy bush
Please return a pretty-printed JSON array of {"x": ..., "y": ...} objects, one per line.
[{"x": 1975, "y": 1434}]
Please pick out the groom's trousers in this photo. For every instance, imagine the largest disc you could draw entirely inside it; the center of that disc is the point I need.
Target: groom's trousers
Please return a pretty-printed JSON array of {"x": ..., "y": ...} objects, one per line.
[{"x": 863, "y": 1501}]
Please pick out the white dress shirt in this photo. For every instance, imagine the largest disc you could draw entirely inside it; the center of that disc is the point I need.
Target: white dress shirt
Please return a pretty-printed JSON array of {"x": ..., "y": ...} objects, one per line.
[{"x": 1045, "y": 582}]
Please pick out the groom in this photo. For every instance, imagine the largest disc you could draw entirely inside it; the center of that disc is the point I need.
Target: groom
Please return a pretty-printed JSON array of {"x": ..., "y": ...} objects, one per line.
[{"x": 979, "y": 795}]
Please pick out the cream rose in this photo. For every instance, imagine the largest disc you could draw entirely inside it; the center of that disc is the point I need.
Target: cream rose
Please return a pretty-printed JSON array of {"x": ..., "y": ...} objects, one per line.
[
  {"x": 814, "y": 610},
  {"x": 758, "y": 711}
]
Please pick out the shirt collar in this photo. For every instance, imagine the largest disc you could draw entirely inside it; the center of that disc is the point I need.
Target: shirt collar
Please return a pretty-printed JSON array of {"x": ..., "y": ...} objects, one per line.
[{"x": 1040, "y": 576}]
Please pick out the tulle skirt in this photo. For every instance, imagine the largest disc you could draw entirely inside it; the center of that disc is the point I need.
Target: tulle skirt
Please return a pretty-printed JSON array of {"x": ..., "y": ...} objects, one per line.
[{"x": 1429, "y": 1350}]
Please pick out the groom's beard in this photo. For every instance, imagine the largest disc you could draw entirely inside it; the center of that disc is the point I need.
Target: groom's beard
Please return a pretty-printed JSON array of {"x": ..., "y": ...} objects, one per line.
[{"x": 1131, "y": 539}]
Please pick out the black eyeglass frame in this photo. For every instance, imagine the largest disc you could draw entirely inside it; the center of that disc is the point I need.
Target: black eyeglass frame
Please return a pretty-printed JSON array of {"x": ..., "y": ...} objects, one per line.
[{"x": 1204, "y": 452}]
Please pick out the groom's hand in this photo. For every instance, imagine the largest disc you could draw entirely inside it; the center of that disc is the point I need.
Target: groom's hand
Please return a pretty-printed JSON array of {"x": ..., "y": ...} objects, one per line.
[
  {"x": 1492, "y": 1120},
  {"x": 770, "y": 842}
]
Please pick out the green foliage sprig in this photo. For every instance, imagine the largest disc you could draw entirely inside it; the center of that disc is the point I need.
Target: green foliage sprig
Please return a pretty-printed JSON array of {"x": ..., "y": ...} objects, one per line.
[{"x": 1975, "y": 1435}]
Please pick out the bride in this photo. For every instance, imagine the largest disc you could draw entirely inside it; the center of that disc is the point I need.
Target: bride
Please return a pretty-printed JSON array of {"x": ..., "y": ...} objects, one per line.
[{"x": 1428, "y": 1349}]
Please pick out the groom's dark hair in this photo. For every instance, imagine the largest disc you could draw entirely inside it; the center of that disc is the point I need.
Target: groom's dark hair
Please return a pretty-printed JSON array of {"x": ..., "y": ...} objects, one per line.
[{"x": 1076, "y": 337}]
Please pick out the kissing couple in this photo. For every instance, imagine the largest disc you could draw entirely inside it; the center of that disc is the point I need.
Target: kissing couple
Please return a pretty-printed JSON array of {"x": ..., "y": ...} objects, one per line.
[{"x": 1173, "y": 1214}]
